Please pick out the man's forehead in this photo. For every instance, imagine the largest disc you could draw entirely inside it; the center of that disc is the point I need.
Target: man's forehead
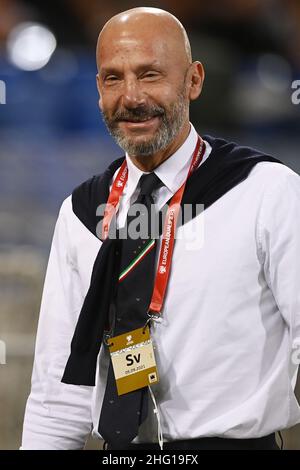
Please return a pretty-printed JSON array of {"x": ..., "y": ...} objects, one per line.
[{"x": 131, "y": 47}]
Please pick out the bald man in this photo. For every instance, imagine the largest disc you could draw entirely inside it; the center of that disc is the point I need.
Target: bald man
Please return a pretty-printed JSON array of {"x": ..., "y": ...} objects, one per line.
[
  {"x": 146, "y": 80},
  {"x": 215, "y": 290}
]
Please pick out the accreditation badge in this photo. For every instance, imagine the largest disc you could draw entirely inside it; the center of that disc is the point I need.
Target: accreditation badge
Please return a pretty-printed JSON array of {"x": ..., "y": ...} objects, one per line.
[{"x": 133, "y": 360}]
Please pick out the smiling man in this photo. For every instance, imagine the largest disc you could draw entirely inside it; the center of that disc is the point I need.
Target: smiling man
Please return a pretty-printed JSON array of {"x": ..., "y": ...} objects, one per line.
[{"x": 150, "y": 343}]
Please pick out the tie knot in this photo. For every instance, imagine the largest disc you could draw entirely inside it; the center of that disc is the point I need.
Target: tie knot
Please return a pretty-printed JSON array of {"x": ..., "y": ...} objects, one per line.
[{"x": 148, "y": 183}]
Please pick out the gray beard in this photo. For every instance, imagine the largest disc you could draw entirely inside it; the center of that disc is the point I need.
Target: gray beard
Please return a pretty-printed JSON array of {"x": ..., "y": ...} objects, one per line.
[{"x": 170, "y": 126}]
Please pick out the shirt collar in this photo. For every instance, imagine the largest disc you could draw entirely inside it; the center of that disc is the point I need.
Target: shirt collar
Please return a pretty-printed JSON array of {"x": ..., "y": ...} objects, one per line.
[{"x": 172, "y": 171}]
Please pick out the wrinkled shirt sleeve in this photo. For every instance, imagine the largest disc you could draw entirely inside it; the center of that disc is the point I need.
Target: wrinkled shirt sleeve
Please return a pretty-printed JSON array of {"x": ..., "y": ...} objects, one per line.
[
  {"x": 280, "y": 249},
  {"x": 57, "y": 415}
]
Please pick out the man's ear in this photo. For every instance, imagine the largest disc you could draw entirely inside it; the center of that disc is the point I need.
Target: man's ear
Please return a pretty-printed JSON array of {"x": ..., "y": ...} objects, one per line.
[
  {"x": 196, "y": 80},
  {"x": 99, "y": 91}
]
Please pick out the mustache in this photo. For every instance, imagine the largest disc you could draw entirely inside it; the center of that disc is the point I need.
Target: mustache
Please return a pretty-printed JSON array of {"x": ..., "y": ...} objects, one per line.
[{"x": 137, "y": 114}]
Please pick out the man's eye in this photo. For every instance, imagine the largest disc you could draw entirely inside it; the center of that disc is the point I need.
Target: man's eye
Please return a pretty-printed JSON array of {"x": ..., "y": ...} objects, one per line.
[
  {"x": 111, "y": 78},
  {"x": 150, "y": 75}
]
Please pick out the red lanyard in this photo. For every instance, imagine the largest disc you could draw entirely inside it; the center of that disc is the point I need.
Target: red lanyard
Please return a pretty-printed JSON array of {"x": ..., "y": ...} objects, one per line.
[
  {"x": 166, "y": 250},
  {"x": 114, "y": 198}
]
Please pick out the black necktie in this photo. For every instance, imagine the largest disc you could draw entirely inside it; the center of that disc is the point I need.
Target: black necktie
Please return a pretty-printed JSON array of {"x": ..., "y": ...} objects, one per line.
[{"x": 122, "y": 415}]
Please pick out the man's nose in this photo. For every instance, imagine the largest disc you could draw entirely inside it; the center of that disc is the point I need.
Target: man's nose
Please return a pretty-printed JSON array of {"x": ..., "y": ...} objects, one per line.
[{"x": 133, "y": 96}]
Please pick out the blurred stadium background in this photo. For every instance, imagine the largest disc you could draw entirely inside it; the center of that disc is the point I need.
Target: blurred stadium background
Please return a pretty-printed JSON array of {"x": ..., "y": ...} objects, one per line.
[{"x": 52, "y": 136}]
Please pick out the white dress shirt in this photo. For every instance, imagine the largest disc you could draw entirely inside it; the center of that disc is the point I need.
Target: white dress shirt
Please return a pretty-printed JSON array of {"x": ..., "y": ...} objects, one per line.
[{"x": 230, "y": 320}]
